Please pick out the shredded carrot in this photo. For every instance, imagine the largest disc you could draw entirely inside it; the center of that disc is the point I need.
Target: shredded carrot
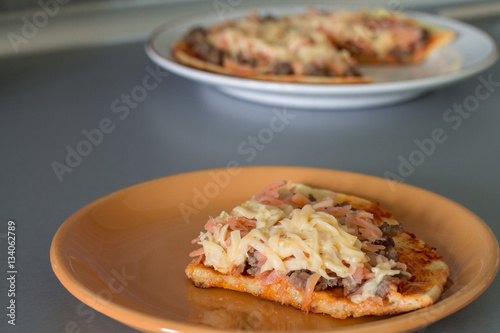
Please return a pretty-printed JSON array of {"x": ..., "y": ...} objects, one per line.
[
  {"x": 273, "y": 277},
  {"x": 300, "y": 199},
  {"x": 271, "y": 190},
  {"x": 197, "y": 252},
  {"x": 211, "y": 226},
  {"x": 366, "y": 223},
  {"x": 308, "y": 292},
  {"x": 235, "y": 271},
  {"x": 198, "y": 260},
  {"x": 338, "y": 211}
]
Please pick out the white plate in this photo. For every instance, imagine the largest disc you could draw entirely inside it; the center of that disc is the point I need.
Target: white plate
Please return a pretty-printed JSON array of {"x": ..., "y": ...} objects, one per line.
[{"x": 471, "y": 52}]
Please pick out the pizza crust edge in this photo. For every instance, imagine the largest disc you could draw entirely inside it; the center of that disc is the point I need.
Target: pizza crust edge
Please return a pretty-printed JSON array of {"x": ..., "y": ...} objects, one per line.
[
  {"x": 181, "y": 53},
  {"x": 429, "y": 271}
]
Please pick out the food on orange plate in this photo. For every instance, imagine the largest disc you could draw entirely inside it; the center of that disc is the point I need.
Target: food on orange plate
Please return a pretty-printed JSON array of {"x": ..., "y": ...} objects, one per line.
[
  {"x": 318, "y": 251},
  {"x": 314, "y": 47}
]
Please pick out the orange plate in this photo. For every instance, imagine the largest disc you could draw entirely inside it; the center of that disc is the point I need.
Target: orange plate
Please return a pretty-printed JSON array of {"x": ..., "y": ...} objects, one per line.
[{"x": 125, "y": 254}]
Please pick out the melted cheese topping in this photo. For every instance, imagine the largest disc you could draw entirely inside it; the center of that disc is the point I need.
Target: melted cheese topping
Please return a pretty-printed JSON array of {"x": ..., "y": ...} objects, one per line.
[
  {"x": 283, "y": 40},
  {"x": 349, "y": 27},
  {"x": 302, "y": 239},
  {"x": 307, "y": 38},
  {"x": 369, "y": 289},
  {"x": 294, "y": 239},
  {"x": 318, "y": 193}
]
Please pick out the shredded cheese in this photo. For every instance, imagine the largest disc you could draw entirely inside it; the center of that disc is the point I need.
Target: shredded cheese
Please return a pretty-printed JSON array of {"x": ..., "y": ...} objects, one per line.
[
  {"x": 286, "y": 39},
  {"x": 288, "y": 240},
  {"x": 370, "y": 287},
  {"x": 302, "y": 239},
  {"x": 312, "y": 37},
  {"x": 302, "y": 247}
]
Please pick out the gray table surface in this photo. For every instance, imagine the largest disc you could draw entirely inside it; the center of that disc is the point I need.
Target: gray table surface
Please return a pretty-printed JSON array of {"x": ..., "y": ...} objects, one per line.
[{"x": 47, "y": 100}]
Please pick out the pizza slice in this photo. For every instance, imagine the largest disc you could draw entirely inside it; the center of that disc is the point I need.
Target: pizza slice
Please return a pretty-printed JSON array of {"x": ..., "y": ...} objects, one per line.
[
  {"x": 314, "y": 47},
  {"x": 382, "y": 36},
  {"x": 318, "y": 251},
  {"x": 270, "y": 49}
]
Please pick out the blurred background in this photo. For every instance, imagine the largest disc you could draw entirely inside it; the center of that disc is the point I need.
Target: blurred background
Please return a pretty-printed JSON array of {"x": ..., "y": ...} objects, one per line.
[
  {"x": 64, "y": 64},
  {"x": 70, "y": 23}
]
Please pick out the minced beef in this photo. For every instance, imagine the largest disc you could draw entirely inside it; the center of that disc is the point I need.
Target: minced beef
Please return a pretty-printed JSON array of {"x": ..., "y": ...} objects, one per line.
[
  {"x": 299, "y": 278},
  {"x": 251, "y": 267},
  {"x": 197, "y": 40},
  {"x": 391, "y": 230},
  {"x": 281, "y": 68}
]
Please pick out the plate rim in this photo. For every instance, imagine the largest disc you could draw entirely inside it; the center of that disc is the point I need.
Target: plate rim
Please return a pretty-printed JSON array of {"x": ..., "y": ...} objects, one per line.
[
  {"x": 153, "y": 323},
  {"x": 336, "y": 89}
]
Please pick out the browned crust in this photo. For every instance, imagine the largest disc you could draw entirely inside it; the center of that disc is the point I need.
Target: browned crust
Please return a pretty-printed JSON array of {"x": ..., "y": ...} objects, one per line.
[
  {"x": 182, "y": 54},
  {"x": 225, "y": 309},
  {"x": 429, "y": 275},
  {"x": 439, "y": 39}
]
